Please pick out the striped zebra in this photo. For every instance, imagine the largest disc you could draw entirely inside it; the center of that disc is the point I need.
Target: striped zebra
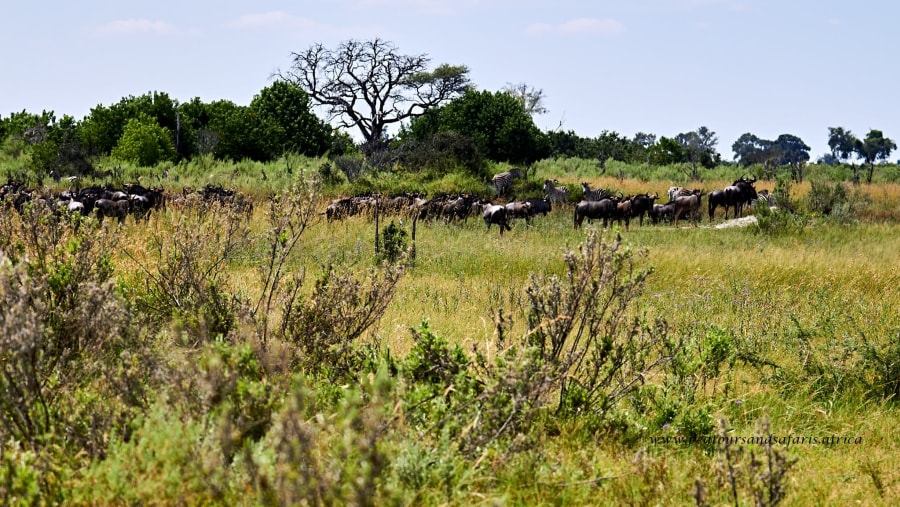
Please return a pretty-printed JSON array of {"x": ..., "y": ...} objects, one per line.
[
  {"x": 503, "y": 181},
  {"x": 592, "y": 195},
  {"x": 675, "y": 192},
  {"x": 556, "y": 195}
]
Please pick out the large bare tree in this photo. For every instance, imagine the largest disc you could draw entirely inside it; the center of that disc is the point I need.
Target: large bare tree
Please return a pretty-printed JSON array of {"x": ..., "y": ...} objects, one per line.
[{"x": 368, "y": 85}]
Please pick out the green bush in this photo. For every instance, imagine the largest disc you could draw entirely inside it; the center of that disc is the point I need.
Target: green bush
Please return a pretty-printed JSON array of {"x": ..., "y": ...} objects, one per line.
[{"x": 144, "y": 142}]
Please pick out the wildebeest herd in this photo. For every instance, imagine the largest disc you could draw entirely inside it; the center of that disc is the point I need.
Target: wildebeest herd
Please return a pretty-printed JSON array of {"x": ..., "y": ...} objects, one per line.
[
  {"x": 108, "y": 201},
  {"x": 595, "y": 204}
]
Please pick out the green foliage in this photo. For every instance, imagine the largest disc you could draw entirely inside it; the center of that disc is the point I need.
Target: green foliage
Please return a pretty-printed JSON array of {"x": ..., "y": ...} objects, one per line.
[
  {"x": 184, "y": 281},
  {"x": 239, "y": 392},
  {"x": 286, "y": 123},
  {"x": 580, "y": 324},
  {"x": 144, "y": 142},
  {"x": 341, "y": 307},
  {"x": 392, "y": 243},
  {"x": 343, "y": 459},
  {"x": 164, "y": 461},
  {"x": 443, "y": 153},
  {"x": 838, "y": 201},
  {"x": 498, "y": 124}
]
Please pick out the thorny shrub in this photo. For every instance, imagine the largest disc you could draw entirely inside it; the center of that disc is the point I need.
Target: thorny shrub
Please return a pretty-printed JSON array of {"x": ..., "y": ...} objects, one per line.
[
  {"x": 747, "y": 473},
  {"x": 583, "y": 326},
  {"x": 325, "y": 325},
  {"x": 334, "y": 458},
  {"x": 183, "y": 270},
  {"x": 63, "y": 322}
]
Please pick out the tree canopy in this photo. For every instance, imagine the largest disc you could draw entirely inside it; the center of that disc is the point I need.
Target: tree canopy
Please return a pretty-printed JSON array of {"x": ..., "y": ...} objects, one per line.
[
  {"x": 369, "y": 85},
  {"x": 498, "y": 123}
]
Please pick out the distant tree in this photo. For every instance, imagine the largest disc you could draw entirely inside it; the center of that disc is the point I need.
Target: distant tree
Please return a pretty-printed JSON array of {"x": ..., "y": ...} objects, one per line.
[
  {"x": 532, "y": 99},
  {"x": 699, "y": 147},
  {"x": 641, "y": 144},
  {"x": 570, "y": 144},
  {"x": 368, "y": 85},
  {"x": 231, "y": 131},
  {"x": 101, "y": 129},
  {"x": 842, "y": 143},
  {"x": 498, "y": 124},
  {"x": 794, "y": 153},
  {"x": 286, "y": 124},
  {"x": 873, "y": 148},
  {"x": 750, "y": 150},
  {"x": 666, "y": 151},
  {"x": 612, "y": 145},
  {"x": 144, "y": 142}
]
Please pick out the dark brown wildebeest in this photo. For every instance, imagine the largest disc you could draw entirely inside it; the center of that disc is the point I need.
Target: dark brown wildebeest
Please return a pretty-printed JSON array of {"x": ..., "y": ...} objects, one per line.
[
  {"x": 110, "y": 208},
  {"x": 623, "y": 211},
  {"x": 540, "y": 206},
  {"x": 604, "y": 209},
  {"x": 641, "y": 204},
  {"x": 736, "y": 195},
  {"x": 662, "y": 212}
]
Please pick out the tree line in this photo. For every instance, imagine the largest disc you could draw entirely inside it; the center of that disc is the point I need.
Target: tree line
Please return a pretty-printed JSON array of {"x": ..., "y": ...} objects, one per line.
[{"x": 365, "y": 87}]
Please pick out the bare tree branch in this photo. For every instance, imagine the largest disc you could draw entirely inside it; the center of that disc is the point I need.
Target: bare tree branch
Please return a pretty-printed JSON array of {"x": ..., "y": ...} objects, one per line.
[{"x": 368, "y": 85}]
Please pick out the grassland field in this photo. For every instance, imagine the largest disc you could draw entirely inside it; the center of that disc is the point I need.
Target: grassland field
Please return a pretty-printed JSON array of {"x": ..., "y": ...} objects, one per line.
[{"x": 814, "y": 294}]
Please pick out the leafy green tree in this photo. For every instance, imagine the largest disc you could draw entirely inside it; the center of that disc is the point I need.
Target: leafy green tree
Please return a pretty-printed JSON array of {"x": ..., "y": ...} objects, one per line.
[
  {"x": 286, "y": 123},
  {"x": 699, "y": 147},
  {"x": 873, "y": 148},
  {"x": 497, "y": 122},
  {"x": 794, "y": 153},
  {"x": 750, "y": 150},
  {"x": 612, "y": 145},
  {"x": 144, "y": 142},
  {"x": 666, "y": 151},
  {"x": 369, "y": 85},
  {"x": 570, "y": 144},
  {"x": 640, "y": 146},
  {"x": 842, "y": 143},
  {"x": 231, "y": 127},
  {"x": 102, "y": 128}
]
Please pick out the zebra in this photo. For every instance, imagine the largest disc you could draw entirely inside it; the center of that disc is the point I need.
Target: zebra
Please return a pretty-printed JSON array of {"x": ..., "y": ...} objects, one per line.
[
  {"x": 503, "y": 181},
  {"x": 675, "y": 192},
  {"x": 556, "y": 195},
  {"x": 592, "y": 195}
]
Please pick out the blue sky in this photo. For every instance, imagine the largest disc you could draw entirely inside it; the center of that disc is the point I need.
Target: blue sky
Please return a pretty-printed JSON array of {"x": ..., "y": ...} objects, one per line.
[{"x": 655, "y": 66}]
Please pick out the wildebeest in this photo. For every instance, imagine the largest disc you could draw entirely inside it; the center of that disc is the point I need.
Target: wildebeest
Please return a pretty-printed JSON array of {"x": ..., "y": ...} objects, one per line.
[
  {"x": 641, "y": 204},
  {"x": 110, "y": 208},
  {"x": 604, "y": 209},
  {"x": 689, "y": 204},
  {"x": 341, "y": 208},
  {"x": 496, "y": 214},
  {"x": 540, "y": 206},
  {"x": 662, "y": 212},
  {"x": 736, "y": 195},
  {"x": 556, "y": 195},
  {"x": 518, "y": 209},
  {"x": 623, "y": 211}
]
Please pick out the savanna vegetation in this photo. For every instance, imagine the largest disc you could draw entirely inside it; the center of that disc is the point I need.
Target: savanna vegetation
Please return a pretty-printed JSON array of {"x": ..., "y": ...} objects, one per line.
[{"x": 214, "y": 353}]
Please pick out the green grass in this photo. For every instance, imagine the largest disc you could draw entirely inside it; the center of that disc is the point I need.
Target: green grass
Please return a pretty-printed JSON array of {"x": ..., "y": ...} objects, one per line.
[{"x": 803, "y": 305}]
